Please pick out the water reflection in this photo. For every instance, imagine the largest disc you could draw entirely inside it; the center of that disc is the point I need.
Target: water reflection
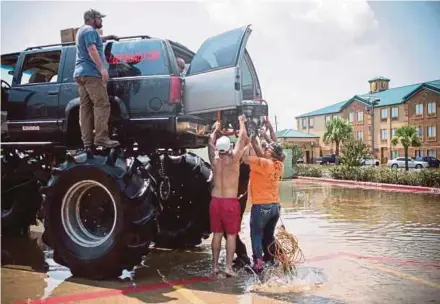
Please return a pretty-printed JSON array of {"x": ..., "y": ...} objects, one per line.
[{"x": 354, "y": 231}]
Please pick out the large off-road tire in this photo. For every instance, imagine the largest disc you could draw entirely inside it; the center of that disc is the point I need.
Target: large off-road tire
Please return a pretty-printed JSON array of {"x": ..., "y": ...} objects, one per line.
[
  {"x": 99, "y": 215},
  {"x": 184, "y": 221},
  {"x": 20, "y": 197}
]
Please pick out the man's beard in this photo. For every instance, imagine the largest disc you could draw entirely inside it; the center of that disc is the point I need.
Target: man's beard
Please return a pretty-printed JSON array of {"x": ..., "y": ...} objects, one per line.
[{"x": 96, "y": 26}]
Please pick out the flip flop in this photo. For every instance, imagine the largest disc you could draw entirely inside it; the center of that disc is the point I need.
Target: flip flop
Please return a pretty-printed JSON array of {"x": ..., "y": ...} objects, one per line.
[{"x": 230, "y": 274}]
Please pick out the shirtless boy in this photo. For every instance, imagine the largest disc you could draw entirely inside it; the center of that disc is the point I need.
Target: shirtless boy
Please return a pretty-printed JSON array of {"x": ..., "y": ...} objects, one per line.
[{"x": 225, "y": 209}]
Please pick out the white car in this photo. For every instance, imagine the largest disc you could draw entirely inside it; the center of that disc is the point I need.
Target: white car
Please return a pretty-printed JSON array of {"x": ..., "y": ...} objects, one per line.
[
  {"x": 399, "y": 162},
  {"x": 369, "y": 162}
]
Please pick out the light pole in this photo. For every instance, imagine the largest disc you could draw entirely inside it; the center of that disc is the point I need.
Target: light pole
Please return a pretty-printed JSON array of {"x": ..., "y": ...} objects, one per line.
[{"x": 371, "y": 108}]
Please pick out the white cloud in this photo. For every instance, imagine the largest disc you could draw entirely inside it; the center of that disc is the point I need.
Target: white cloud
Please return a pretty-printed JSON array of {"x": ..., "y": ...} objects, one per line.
[
  {"x": 306, "y": 53},
  {"x": 318, "y": 30}
]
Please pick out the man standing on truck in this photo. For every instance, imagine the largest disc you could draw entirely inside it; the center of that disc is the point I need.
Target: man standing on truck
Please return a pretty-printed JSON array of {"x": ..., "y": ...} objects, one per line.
[
  {"x": 92, "y": 76},
  {"x": 224, "y": 209}
]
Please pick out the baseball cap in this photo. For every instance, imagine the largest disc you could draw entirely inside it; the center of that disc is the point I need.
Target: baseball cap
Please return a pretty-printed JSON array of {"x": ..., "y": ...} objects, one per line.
[
  {"x": 276, "y": 149},
  {"x": 223, "y": 144},
  {"x": 91, "y": 14}
]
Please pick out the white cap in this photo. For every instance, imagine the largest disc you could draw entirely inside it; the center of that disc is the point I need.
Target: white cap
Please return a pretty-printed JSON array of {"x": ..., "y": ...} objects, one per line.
[{"x": 223, "y": 144}]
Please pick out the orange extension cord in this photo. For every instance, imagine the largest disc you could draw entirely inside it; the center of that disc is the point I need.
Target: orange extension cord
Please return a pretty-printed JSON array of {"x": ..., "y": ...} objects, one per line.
[{"x": 287, "y": 250}]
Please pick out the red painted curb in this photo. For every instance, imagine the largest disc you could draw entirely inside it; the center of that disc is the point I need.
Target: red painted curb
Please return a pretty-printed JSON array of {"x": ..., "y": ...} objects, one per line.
[
  {"x": 113, "y": 292},
  {"x": 370, "y": 185},
  {"x": 92, "y": 295}
]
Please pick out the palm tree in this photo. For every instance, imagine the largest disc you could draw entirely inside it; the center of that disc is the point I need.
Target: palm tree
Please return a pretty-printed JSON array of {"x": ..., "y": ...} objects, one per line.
[
  {"x": 336, "y": 131},
  {"x": 408, "y": 137}
]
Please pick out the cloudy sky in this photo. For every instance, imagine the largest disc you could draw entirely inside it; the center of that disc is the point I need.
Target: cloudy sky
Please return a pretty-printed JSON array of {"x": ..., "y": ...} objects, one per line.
[{"x": 308, "y": 54}]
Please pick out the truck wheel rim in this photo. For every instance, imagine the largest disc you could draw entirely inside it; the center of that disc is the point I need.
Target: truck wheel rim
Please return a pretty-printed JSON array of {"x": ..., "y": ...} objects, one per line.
[{"x": 88, "y": 213}]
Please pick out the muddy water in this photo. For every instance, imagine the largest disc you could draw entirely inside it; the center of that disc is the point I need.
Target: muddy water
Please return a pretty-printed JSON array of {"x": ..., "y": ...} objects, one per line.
[{"x": 360, "y": 246}]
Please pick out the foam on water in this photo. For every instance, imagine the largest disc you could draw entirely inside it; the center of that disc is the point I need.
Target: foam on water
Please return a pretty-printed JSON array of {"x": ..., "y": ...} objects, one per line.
[{"x": 275, "y": 281}]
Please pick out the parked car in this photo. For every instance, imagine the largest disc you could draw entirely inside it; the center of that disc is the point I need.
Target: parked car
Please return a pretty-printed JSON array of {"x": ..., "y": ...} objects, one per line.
[
  {"x": 328, "y": 159},
  {"x": 399, "y": 162},
  {"x": 369, "y": 162},
  {"x": 300, "y": 160},
  {"x": 432, "y": 161}
]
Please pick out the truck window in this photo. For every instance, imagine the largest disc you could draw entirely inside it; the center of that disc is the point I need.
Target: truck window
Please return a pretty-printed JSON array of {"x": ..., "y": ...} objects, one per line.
[
  {"x": 247, "y": 82},
  {"x": 40, "y": 68},
  {"x": 217, "y": 53},
  {"x": 8, "y": 66},
  {"x": 135, "y": 58}
]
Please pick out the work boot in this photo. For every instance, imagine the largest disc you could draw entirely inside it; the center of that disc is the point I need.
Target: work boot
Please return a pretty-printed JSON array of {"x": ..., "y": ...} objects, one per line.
[
  {"x": 108, "y": 143},
  {"x": 258, "y": 266}
]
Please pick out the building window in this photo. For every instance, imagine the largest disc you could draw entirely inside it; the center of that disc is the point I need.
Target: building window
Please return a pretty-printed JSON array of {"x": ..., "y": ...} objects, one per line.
[
  {"x": 327, "y": 119},
  {"x": 336, "y": 116},
  {"x": 419, "y": 109},
  {"x": 304, "y": 123},
  {"x": 360, "y": 135},
  {"x": 419, "y": 131},
  {"x": 311, "y": 121},
  {"x": 432, "y": 108},
  {"x": 351, "y": 116},
  {"x": 395, "y": 112},
  {"x": 419, "y": 153},
  {"x": 360, "y": 116},
  {"x": 432, "y": 153},
  {"x": 393, "y": 132},
  {"x": 432, "y": 131},
  {"x": 383, "y": 134},
  {"x": 383, "y": 114},
  {"x": 395, "y": 154}
]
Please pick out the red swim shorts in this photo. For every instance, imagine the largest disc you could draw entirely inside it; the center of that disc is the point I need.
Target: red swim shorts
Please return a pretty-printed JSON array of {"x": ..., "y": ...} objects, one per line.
[{"x": 224, "y": 215}]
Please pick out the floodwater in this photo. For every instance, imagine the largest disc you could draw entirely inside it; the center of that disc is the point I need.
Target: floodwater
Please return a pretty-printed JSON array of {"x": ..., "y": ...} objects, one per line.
[{"x": 360, "y": 246}]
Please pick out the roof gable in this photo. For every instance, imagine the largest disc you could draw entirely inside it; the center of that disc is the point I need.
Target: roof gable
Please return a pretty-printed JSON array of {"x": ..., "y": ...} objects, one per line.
[
  {"x": 425, "y": 86},
  {"x": 353, "y": 99}
]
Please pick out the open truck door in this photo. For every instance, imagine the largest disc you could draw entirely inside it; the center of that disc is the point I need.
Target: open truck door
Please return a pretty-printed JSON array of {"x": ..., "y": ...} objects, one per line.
[{"x": 213, "y": 80}]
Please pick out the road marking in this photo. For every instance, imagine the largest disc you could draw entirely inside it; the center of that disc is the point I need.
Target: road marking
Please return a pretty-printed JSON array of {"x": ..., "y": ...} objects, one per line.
[
  {"x": 97, "y": 294},
  {"x": 382, "y": 259},
  {"x": 385, "y": 259},
  {"x": 189, "y": 295},
  {"x": 403, "y": 275},
  {"x": 91, "y": 295}
]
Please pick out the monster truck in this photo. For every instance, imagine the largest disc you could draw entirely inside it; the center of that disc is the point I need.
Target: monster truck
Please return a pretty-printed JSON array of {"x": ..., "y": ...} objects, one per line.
[{"x": 101, "y": 209}]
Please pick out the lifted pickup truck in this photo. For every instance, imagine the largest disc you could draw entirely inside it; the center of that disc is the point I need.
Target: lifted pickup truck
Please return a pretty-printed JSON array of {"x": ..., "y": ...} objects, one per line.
[{"x": 102, "y": 210}]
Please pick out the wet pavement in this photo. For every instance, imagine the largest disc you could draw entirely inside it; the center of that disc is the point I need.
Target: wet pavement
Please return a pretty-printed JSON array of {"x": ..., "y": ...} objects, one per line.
[{"x": 360, "y": 246}]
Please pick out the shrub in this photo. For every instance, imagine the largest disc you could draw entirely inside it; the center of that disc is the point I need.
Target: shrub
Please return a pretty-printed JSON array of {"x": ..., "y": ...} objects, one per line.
[
  {"x": 367, "y": 174},
  {"x": 426, "y": 177},
  {"x": 353, "y": 150},
  {"x": 310, "y": 170}
]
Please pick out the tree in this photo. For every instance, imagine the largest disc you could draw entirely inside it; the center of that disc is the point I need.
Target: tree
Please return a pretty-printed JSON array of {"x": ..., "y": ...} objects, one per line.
[
  {"x": 407, "y": 136},
  {"x": 353, "y": 151},
  {"x": 336, "y": 131}
]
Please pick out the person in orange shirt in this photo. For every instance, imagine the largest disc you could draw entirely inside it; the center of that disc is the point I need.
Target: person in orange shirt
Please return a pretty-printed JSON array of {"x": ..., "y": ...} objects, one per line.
[{"x": 266, "y": 170}]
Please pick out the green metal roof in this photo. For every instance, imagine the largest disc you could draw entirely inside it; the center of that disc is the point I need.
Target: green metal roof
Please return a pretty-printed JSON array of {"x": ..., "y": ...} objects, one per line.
[
  {"x": 388, "y": 97},
  {"x": 291, "y": 133},
  {"x": 378, "y": 78},
  {"x": 335, "y": 108}
]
